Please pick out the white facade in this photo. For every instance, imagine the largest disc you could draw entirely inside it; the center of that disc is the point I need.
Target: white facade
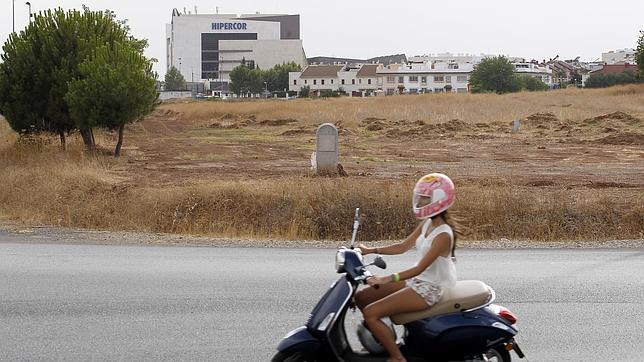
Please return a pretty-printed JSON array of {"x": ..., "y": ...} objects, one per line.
[
  {"x": 436, "y": 77},
  {"x": 208, "y": 46},
  {"x": 619, "y": 56},
  {"x": 543, "y": 73},
  {"x": 408, "y": 78}
]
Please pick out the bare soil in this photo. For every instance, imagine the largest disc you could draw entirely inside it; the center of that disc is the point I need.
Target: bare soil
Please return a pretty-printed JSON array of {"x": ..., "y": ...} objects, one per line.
[{"x": 606, "y": 150}]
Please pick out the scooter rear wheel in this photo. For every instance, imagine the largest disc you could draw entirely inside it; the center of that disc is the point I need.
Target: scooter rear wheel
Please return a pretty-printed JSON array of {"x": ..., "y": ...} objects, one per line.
[{"x": 498, "y": 354}]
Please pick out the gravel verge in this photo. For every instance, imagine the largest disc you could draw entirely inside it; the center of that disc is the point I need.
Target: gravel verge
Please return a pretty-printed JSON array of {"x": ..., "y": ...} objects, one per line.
[{"x": 13, "y": 232}]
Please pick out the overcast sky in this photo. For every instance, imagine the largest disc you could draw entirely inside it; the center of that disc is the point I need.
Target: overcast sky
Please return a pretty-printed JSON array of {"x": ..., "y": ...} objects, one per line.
[{"x": 363, "y": 29}]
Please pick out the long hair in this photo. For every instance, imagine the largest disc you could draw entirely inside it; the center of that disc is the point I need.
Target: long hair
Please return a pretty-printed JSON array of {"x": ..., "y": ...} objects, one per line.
[{"x": 455, "y": 224}]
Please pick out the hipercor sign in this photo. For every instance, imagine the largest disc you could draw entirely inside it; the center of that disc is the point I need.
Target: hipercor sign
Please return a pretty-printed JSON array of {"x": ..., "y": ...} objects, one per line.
[{"x": 229, "y": 26}]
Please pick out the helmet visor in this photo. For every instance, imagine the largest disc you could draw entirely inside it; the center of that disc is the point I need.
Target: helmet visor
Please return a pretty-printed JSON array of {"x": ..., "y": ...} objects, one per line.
[{"x": 421, "y": 200}]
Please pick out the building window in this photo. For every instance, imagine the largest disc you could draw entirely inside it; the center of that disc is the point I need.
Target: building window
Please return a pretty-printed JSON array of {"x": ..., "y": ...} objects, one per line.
[
  {"x": 369, "y": 81},
  {"x": 294, "y": 81},
  {"x": 353, "y": 81},
  {"x": 423, "y": 80},
  {"x": 461, "y": 78},
  {"x": 391, "y": 79},
  {"x": 306, "y": 81},
  {"x": 413, "y": 79},
  {"x": 331, "y": 81},
  {"x": 401, "y": 79},
  {"x": 322, "y": 81},
  {"x": 439, "y": 90},
  {"x": 315, "y": 81},
  {"x": 452, "y": 66},
  {"x": 448, "y": 79},
  {"x": 343, "y": 82},
  {"x": 413, "y": 91},
  {"x": 439, "y": 78}
]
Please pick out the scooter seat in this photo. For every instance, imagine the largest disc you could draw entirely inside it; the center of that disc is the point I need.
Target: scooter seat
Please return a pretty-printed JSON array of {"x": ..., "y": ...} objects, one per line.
[{"x": 466, "y": 294}]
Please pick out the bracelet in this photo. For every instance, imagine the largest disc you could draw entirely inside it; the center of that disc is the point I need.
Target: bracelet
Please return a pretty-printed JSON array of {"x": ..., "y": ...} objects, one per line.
[{"x": 395, "y": 277}]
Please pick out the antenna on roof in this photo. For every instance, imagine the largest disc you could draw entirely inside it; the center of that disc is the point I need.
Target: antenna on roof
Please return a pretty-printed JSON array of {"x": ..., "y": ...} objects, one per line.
[
  {"x": 217, "y": 9},
  {"x": 195, "y": 9}
]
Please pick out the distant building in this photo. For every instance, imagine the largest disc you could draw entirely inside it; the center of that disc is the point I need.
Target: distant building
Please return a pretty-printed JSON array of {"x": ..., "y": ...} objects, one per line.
[
  {"x": 384, "y": 60},
  {"x": 541, "y": 72},
  {"x": 437, "y": 77},
  {"x": 622, "y": 56},
  {"x": 374, "y": 79},
  {"x": 206, "y": 47},
  {"x": 361, "y": 80},
  {"x": 615, "y": 68}
]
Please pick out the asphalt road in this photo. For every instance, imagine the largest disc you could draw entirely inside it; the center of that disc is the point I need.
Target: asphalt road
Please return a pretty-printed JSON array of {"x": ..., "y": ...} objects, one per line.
[{"x": 95, "y": 302}]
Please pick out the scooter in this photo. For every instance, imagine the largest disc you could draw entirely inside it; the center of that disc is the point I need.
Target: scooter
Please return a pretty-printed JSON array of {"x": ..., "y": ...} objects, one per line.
[{"x": 463, "y": 326}]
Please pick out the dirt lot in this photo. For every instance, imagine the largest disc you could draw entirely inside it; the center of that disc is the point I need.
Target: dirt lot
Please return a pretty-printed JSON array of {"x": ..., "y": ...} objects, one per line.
[{"x": 605, "y": 150}]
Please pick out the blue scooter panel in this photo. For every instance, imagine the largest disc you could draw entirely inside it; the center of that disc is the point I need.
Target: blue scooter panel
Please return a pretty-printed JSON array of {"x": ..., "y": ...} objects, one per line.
[
  {"x": 299, "y": 340},
  {"x": 332, "y": 302},
  {"x": 457, "y": 334}
]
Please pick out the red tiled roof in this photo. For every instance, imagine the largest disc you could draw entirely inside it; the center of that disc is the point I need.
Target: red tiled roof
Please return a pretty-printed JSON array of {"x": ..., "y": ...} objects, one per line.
[{"x": 615, "y": 68}]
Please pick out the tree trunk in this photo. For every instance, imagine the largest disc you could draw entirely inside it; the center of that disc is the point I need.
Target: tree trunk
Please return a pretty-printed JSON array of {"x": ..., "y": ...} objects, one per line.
[
  {"x": 88, "y": 139},
  {"x": 117, "y": 152},
  {"x": 62, "y": 139}
]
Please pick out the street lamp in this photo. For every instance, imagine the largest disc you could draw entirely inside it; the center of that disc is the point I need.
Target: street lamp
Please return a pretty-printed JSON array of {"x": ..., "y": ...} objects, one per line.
[
  {"x": 13, "y": 13},
  {"x": 29, "y": 4}
]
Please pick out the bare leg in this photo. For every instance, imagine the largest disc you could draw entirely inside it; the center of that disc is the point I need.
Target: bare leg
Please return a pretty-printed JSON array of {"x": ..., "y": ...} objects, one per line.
[
  {"x": 368, "y": 295},
  {"x": 404, "y": 300}
]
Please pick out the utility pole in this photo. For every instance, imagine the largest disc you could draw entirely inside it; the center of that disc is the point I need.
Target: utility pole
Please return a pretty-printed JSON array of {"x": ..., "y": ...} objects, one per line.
[{"x": 13, "y": 12}]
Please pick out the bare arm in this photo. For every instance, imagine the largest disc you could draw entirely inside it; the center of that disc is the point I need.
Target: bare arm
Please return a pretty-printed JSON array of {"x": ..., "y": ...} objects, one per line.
[
  {"x": 395, "y": 249},
  {"x": 440, "y": 246}
]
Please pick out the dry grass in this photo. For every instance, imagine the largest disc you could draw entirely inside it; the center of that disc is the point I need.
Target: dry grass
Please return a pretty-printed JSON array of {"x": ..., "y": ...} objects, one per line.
[
  {"x": 42, "y": 184},
  {"x": 71, "y": 189},
  {"x": 569, "y": 104}
]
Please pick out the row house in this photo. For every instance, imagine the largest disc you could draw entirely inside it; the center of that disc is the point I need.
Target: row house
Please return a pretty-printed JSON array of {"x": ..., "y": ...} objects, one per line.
[
  {"x": 361, "y": 80},
  {"x": 438, "y": 77},
  {"x": 376, "y": 79}
]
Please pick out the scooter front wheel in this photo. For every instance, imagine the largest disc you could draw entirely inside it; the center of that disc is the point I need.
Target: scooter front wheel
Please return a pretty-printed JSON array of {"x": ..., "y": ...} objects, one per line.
[{"x": 292, "y": 357}]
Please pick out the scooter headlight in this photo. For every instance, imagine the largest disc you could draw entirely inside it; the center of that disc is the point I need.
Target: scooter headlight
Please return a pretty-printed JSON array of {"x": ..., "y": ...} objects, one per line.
[{"x": 339, "y": 261}]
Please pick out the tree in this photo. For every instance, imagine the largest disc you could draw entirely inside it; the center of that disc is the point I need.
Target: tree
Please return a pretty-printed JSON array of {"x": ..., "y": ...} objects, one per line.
[
  {"x": 277, "y": 77},
  {"x": 639, "y": 55},
  {"x": 40, "y": 62},
  {"x": 117, "y": 86},
  {"x": 174, "y": 80},
  {"x": 611, "y": 79},
  {"x": 305, "y": 91},
  {"x": 531, "y": 83},
  {"x": 494, "y": 74}
]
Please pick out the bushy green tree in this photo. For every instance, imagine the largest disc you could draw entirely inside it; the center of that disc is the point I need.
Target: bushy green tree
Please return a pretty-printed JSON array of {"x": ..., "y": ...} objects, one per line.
[
  {"x": 305, "y": 91},
  {"x": 116, "y": 86},
  {"x": 639, "y": 56},
  {"x": 611, "y": 79},
  {"x": 494, "y": 74},
  {"x": 174, "y": 80},
  {"x": 246, "y": 79},
  {"x": 531, "y": 83},
  {"x": 40, "y": 62}
]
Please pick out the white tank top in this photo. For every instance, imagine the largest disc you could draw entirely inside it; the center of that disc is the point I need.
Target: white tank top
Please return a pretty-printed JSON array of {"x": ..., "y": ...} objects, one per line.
[{"x": 442, "y": 271}]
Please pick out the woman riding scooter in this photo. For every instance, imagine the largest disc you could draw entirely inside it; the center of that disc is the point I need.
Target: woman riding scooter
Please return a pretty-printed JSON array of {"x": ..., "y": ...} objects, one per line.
[{"x": 422, "y": 285}]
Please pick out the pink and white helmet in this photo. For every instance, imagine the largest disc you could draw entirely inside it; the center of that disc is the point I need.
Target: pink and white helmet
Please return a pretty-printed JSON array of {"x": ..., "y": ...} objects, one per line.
[{"x": 433, "y": 194}]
